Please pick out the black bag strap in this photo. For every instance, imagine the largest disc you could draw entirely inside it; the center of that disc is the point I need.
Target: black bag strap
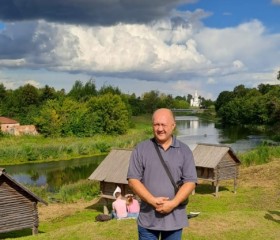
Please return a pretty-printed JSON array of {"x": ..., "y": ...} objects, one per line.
[{"x": 165, "y": 166}]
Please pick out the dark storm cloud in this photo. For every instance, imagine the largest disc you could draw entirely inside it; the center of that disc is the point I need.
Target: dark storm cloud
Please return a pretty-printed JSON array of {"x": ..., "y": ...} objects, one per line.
[
  {"x": 34, "y": 43},
  {"x": 89, "y": 12}
]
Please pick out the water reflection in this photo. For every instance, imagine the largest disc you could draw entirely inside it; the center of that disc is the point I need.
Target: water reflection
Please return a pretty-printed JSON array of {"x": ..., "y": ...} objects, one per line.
[
  {"x": 192, "y": 130},
  {"x": 54, "y": 174}
]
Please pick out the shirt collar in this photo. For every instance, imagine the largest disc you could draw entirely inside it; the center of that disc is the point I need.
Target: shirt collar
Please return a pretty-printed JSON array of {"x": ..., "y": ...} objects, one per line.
[{"x": 174, "y": 144}]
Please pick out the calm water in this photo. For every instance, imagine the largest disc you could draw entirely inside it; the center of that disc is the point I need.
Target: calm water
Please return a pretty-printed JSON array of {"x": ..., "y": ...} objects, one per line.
[
  {"x": 54, "y": 174},
  {"x": 190, "y": 130}
]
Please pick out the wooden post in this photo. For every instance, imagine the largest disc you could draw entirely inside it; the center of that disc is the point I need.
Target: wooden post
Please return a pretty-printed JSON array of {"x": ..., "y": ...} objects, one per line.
[
  {"x": 105, "y": 210},
  {"x": 35, "y": 219},
  {"x": 217, "y": 189},
  {"x": 234, "y": 184}
]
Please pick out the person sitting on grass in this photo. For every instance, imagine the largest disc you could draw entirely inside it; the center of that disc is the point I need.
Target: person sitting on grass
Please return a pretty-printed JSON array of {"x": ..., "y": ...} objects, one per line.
[
  {"x": 133, "y": 206},
  {"x": 119, "y": 209}
]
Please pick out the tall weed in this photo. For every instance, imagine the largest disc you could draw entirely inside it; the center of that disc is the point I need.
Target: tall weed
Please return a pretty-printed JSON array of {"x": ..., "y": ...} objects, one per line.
[
  {"x": 260, "y": 155},
  {"x": 83, "y": 189}
]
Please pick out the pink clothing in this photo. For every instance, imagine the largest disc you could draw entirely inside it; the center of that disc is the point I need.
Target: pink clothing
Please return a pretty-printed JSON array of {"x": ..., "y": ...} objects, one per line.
[
  {"x": 120, "y": 208},
  {"x": 134, "y": 207}
]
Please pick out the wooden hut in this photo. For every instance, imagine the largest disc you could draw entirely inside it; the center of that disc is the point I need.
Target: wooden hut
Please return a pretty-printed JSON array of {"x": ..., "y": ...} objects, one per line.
[
  {"x": 215, "y": 163},
  {"x": 112, "y": 172},
  {"x": 18, "y": 206}
]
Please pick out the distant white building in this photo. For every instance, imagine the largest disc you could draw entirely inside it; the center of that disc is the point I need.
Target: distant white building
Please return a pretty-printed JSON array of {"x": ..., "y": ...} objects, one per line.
[{"x": 195, "y": 101}]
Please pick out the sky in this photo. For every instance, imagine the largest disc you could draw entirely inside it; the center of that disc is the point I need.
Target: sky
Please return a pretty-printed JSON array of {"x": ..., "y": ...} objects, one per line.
[{"x": 175, "y": 47}]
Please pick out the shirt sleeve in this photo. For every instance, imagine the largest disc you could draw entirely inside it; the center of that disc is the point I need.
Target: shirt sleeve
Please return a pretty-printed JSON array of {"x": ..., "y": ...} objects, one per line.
[
  {"x": 135, "y": 168},
  {"x": 189, "y": 169}
]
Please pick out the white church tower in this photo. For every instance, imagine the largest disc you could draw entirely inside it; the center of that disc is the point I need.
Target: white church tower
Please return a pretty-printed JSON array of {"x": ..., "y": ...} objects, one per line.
[{"x": 195, "y": 101}]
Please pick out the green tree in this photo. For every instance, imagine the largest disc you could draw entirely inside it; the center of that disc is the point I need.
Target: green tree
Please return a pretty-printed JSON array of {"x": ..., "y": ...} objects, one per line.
[
  {"x": 49, "y": 122},
  {"x": 264, "y": 88},
  {"x": 3, "y": 92},
  {"x": 181, "y": 104},
  {"x": 223, "y": 98},
  {"x": 62, "y": 118},
  {"x": 151, "y": 101},
  {"x": 109, "y": 89},
  {"x": 166, "y": 101},
  {"x": 28, "y": 95},
  {"x": 189, "y": 97},
  {"x": 3, "y": 95},
  {"x": 73, "y": 115},
  {"x": 108, "y": 114},
  {"x": 231, "y": 111},
  {"x": 80, "y": 92},
  {"x": 136, "y": 105},
  {"x": 47, "y": 93}
]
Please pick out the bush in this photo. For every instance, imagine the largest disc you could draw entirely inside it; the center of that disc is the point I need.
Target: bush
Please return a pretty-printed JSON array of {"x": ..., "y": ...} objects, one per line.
[
  {"x": 83, "y": 189},
  {"x": 260, "y": 155}
]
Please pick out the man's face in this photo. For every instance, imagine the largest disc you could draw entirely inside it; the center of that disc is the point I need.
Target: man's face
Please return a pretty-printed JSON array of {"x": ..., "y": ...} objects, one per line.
[{"x": 163, "y": 126}]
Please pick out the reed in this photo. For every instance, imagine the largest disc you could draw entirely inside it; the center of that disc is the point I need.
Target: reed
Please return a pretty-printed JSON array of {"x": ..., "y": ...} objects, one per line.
[
  {"x": 260, "y": 155},
  {"x": 83, "y": 189},
  {"x": 38, "y": 149}
]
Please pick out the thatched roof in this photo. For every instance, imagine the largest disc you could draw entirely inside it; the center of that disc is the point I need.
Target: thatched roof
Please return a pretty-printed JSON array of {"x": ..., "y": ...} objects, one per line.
[
  {"x": 209, "y": 155},
  {"x": 113, "y": 168},
  {"x": 5, "y": 176}
]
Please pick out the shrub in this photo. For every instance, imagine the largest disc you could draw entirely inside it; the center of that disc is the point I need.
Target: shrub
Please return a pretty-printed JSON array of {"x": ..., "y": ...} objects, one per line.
[{"x": 83, "y": 189}]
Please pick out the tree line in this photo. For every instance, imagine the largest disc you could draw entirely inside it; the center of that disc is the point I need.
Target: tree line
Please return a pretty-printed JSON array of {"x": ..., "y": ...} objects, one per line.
[
  {"x": 84, "y": 111},
  {"x": 254, "y": 106}
]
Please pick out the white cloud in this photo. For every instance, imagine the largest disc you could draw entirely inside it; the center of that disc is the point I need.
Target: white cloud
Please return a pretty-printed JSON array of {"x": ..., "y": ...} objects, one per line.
[
  {"x": 248, "y": 43},
  {"x": 33, "y": 83},
  {"x": 277, "y": 2},
  {"x": 12, "y": 62},
  {"x": 179, "y": 53},
  {"x": 211, "y": 81},
  {"x": 127, "y": 48}
]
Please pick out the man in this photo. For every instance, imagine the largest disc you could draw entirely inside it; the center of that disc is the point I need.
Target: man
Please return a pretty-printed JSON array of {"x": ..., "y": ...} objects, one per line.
[{"x": 161, "y": 214}]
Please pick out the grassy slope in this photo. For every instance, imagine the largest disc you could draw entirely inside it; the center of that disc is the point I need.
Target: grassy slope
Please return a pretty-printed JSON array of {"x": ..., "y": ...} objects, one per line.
[
  {"x": 252, "y": 213},
  {"x": 31, "y": 149}
]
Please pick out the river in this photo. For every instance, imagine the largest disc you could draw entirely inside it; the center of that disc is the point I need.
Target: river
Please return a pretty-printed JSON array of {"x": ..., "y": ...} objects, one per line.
[{"x": 191, "y": 130}]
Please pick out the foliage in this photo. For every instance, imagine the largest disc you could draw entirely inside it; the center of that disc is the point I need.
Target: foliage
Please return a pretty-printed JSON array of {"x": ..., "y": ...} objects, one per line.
[
  {"x": 260, "y": 155},
  {"x": 80, "y": 92},
  {"x": 151, "y": 101},
  {"x": 250, "y": 106},
  {"x": 22, "y": 149},
  {"x": 83, "y": 189},
  {"x": 84, "y": 111},
  {"x": 108, "y": 114}
]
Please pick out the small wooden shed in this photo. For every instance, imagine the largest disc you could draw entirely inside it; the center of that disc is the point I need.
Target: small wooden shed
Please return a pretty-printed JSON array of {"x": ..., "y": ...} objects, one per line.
[
  {"x": 18, "y": 206},
  {"x": 215, "y": 163},
  {"x": 112, "y": 172}
]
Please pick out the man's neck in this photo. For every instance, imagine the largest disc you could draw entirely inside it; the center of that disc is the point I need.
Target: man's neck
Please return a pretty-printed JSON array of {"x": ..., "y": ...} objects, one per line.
[{"x": 165, "y": 145}]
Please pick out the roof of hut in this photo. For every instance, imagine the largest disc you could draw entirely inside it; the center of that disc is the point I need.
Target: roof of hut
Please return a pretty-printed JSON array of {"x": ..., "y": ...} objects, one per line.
[
  {"x": 5, "y": 120},
  {"x": 113, "y": 168},
  {"x": 209, "y": 155},
  {"x": 5, "y": 175}
]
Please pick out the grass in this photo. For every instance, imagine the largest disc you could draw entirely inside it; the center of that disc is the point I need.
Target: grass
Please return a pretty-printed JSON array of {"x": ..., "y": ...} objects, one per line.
[
  {"x": 23, "y": 149},
  {"x": 252, "y": 213},
  {"x": 261, "y": 154}
]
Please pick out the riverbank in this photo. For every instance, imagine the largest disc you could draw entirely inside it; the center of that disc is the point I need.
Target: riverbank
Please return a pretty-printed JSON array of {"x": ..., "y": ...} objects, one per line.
[
  {"x": 252, "y": 213},
  {"x": 34, "y": 149}
]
